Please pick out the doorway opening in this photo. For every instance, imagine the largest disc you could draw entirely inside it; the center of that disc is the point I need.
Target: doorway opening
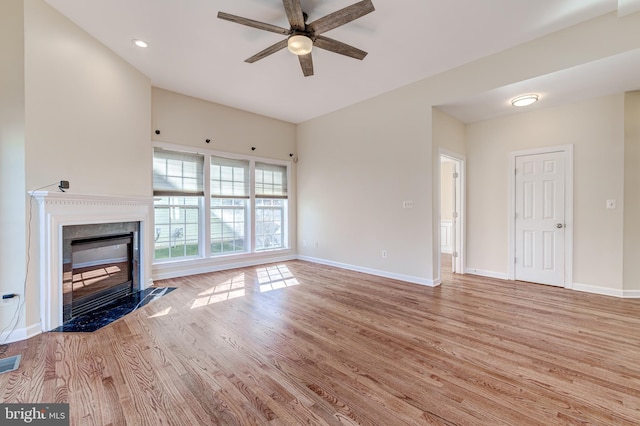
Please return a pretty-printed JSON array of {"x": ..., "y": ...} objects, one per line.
[{"x": 452, "y": 190}]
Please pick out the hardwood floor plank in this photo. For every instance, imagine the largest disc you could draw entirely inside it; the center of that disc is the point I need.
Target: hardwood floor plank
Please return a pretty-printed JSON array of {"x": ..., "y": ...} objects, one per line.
[{"x": 303, "y": 343}]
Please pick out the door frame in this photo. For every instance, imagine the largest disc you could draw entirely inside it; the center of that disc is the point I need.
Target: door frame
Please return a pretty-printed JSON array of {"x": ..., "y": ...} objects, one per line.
[
  {"x": 458, "y": 262},
  {"x": 568, "y": 236}
]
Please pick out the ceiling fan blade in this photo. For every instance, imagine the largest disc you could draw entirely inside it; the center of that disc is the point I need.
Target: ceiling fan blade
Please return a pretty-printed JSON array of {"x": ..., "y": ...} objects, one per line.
[
  {"x": 253, "y": 24},
  {"x": 336, "y": 46},
  {"x": 342, "y": 16},
  {"x": 307, "y": 64},
  {"x": 268, "y": 51},
  {"x": 294, "y": 14}
]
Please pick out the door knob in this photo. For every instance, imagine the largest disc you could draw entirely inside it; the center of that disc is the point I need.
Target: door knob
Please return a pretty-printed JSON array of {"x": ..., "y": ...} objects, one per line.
[{"x": 559, "y": 225}]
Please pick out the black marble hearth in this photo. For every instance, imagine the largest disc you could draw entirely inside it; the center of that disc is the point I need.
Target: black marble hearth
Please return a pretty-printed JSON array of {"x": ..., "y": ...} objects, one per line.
[{"x": 114, "y": 311}]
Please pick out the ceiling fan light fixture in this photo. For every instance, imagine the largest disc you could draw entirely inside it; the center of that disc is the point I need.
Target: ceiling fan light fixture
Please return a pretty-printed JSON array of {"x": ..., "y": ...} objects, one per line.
[
  {"x": 299, "y": 44},
  {"x": 524, "y": 100}
]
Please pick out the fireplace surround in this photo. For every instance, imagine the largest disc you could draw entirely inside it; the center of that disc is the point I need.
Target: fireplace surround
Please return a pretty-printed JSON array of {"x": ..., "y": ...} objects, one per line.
[{"x": 57, "y": 211}]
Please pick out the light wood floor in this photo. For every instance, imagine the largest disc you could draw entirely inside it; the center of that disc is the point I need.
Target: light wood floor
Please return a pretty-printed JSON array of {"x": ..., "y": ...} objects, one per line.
[{"x": 300, "y": 343}]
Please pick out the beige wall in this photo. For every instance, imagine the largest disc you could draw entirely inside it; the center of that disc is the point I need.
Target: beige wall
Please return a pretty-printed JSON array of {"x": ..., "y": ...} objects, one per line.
[
  {"x": 595, "y": 128},
  {"x": 87, "y": 116},
  {"x": 356, "y": 168},
  {"x": 88, "y": 111},
  {"x": 185, "y": 120},
  {"x": 12, "y": 147},
  {"x": 449, "y": 134},
  {"x": 632, "y": 191}
]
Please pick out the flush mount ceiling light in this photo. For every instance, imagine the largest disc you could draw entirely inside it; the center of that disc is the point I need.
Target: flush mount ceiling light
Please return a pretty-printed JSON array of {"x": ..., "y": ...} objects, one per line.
[
  {"x": 299, "y": 45},
  {"x": 140, "y": 43},
  {"x": 524, "y": 100}
]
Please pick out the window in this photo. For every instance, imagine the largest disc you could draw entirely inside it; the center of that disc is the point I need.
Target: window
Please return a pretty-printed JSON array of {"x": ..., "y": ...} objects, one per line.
[
  {"x": 235, "y": 206},
  {"x": 271, "y": 196},
  {"x": 177, "y": 227},
  {"x": 178, "y": 191},
  {"x": 229, "y": 197}
]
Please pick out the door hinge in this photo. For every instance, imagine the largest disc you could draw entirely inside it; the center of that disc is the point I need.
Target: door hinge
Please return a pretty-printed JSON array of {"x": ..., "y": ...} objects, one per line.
[
  {"x": 454, "y": 215},
  {"x": 455, "y": 175},
  {"x": 454, "y": 254}
]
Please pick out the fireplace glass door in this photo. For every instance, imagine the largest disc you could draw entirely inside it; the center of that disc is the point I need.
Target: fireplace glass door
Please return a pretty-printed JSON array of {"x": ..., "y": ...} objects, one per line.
[{"x": 98, "y": 271}]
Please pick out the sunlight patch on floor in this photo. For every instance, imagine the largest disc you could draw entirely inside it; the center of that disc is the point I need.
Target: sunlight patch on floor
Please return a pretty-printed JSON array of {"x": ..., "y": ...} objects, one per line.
[
  {"x": 161, "y": 313},
  {"x": 275, "y": 277},
  {"x": 230, "y": 289}
]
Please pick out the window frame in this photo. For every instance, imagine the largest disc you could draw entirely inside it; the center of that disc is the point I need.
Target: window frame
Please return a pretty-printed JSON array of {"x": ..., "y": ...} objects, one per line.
[
  {"x": 247, "y": 203},
  {"x": 271, "y": 191},
  {"x": 204, "y": 232}
]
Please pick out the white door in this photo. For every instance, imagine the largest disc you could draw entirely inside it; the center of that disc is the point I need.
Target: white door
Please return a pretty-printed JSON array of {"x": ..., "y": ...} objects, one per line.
[
  {"x": 540, "y": 218},
  {"x": 452, "y": 209},
  {"x": 455, "y": 268}
]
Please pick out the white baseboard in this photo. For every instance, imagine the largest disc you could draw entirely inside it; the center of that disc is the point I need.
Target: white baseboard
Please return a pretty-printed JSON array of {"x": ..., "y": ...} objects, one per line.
[
  {"x": 21, "y": 333},
  {"x": 370, "y": 271},
  {"x": 606, "y": 291},
  {"x": 488, "y": 274},
  {"x": 631, "y": 294}
]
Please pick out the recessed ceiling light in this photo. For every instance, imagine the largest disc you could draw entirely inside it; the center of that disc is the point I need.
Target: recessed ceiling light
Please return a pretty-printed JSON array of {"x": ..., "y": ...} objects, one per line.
[
  {"x": 524, "y": 100},
  {"x": 140, "y": 43}
]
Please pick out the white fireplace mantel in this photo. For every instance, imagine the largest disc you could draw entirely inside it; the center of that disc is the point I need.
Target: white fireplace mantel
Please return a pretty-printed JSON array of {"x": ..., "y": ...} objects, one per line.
[{"x": 58, "y": 209}]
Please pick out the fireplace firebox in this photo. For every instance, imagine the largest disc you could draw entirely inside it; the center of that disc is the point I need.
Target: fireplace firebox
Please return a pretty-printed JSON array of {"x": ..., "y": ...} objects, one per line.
[{"x": 100, "y": 265}]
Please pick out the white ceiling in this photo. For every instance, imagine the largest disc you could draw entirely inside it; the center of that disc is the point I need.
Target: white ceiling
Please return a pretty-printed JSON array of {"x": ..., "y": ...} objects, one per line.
[
  {"x": 616, "y": 74},
  {"x": 192, "y": 52}
]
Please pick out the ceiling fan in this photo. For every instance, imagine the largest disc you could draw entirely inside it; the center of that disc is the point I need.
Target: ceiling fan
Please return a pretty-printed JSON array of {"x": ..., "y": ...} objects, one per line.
[{"x": 302, "y": 37}]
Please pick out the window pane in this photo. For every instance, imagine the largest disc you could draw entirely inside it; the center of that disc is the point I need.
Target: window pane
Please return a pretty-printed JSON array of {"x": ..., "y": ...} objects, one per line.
[
  {"x": 228, "y": 225},
  {"x": 229, "y": 177},
  {"x": 177, "y": 172},
  {"x": 176, "y": 227},
  {"x": 271, "y": 180},
  {"x": 269, "y": 221}
]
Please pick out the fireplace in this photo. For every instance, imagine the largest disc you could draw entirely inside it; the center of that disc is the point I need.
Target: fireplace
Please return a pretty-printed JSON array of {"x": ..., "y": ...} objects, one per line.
[
  {"x": 100, "y": 265},
  {"x": 67, "y": 217}
]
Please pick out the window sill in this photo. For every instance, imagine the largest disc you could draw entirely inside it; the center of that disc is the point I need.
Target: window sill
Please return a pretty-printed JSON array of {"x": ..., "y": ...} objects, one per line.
[{"x": 200, "y": 265}]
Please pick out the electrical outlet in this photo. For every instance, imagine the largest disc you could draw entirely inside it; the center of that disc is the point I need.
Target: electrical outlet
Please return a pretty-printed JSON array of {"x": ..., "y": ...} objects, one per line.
[{"x": 384, "y": 254}]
